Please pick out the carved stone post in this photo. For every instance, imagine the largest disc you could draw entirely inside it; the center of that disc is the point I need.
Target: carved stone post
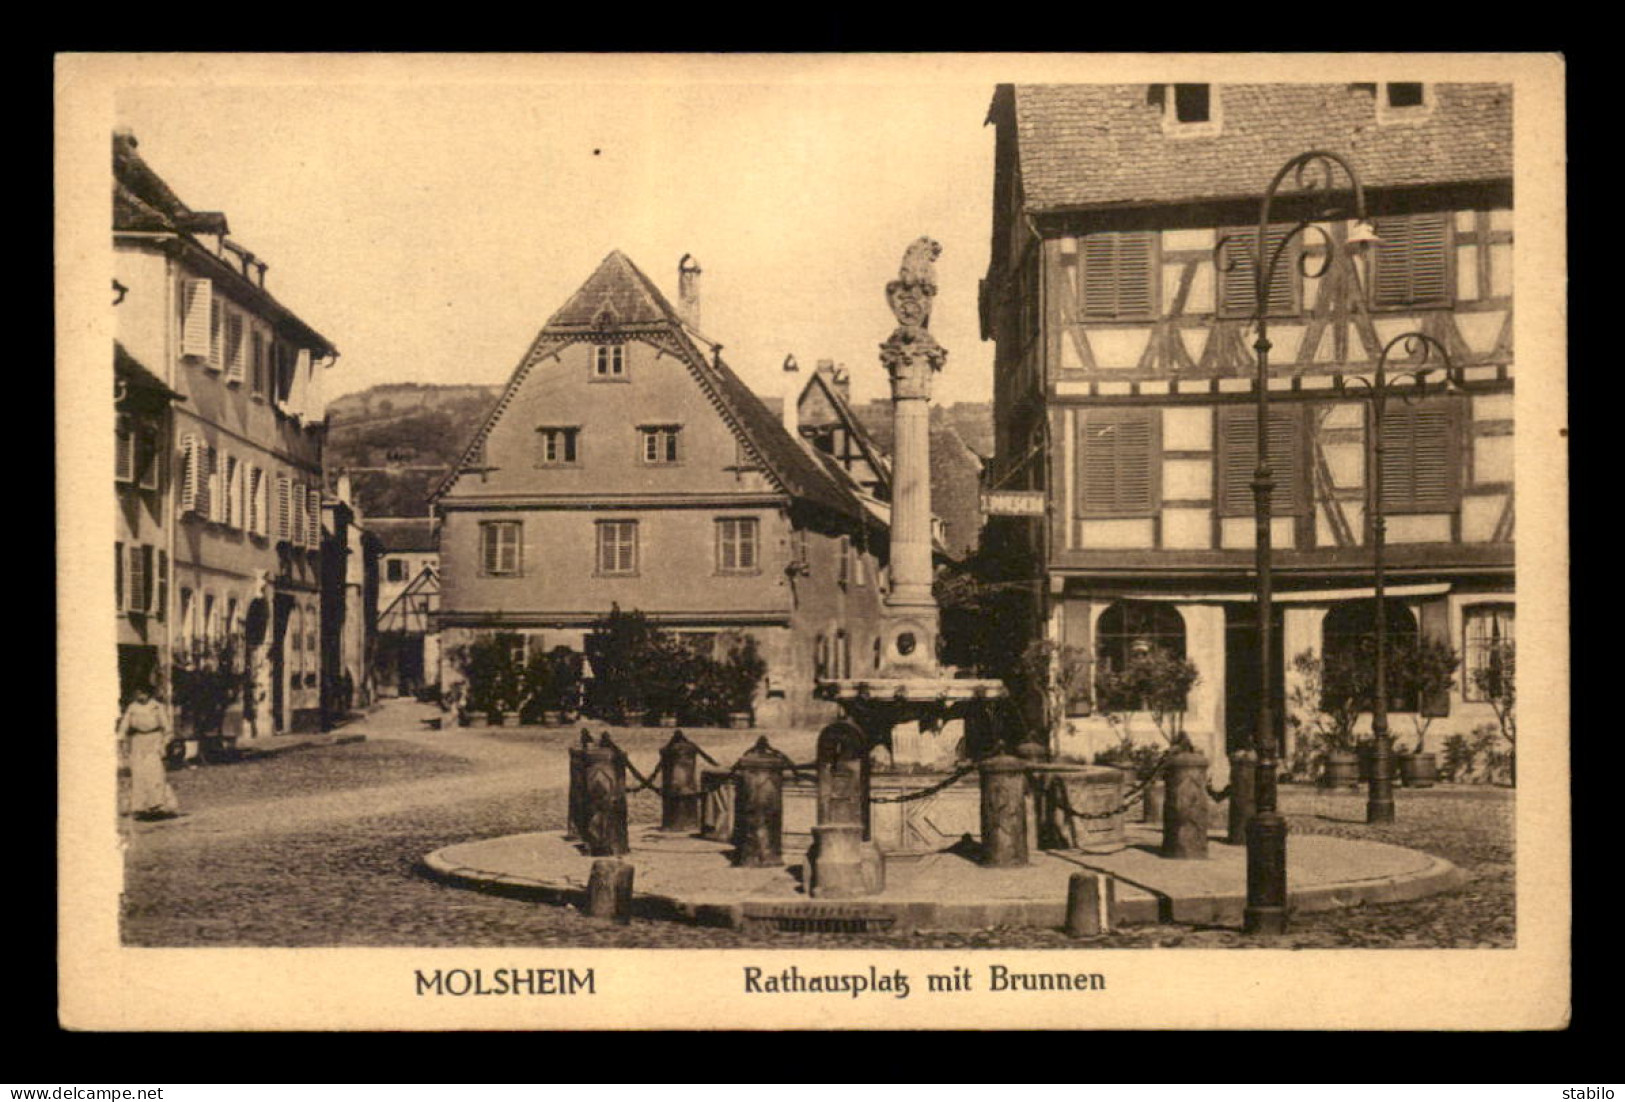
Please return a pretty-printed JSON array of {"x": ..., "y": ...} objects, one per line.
[
  {"x": 842, "y": 864},
  {"x": 604, "y": 821},
  {"x": 1091, "y": 897},
  {"x": 680, "y": 795},
  {"x": 1004, "y": 812},
  {"x": 609, "y": 891},
  {"x": 759, "y": 807},
  {"x": 843, "y": 775},
  {"x": 1184, "y": 809}
]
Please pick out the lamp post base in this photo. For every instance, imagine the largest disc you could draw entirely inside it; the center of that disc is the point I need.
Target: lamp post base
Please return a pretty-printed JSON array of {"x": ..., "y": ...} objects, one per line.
[{"x": 1266, "y": 911}]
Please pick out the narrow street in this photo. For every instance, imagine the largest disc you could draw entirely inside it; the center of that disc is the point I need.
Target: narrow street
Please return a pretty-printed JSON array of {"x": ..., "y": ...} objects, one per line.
[{"x": 320, "y": 847}]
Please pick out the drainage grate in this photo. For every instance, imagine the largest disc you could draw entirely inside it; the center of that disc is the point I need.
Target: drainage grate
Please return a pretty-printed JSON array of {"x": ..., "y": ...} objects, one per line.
[{"x": 785, "y": 925}]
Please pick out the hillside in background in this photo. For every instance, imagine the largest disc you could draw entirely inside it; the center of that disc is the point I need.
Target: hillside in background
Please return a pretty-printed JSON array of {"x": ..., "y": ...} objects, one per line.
[{"x": 398, "y": 440}]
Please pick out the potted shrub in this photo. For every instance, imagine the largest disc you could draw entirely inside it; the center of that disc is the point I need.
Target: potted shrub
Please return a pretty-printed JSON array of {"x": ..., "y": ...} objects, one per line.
[
  {"x": 552, "y": 687},
  {"x": 1429, "y": 671},
  {"x": 1158, "y": 682},
  {"x": 742, "y": 672},
  {"x": 1498, "y": 681},
  {"x": 1059, "y": 675},
  {"x": 619, "y": 648},
  {"x": 1323, "y": 708},
  {"x": 669, "y": 668}
]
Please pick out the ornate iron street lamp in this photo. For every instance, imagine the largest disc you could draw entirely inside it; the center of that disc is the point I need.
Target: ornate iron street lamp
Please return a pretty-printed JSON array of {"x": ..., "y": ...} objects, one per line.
[
  {"x": 1419, "y": 348},
  {"x": 1312, "y": 173}
]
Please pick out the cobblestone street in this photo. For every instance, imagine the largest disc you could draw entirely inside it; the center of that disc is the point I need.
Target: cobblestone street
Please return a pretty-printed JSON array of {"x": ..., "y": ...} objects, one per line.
[{"x": 320, "y": 848}]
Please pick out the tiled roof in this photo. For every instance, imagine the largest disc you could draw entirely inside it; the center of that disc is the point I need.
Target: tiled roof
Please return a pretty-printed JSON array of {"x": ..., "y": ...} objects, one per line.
[
  {"x": 634, "y": 303},
  {"x": 139, "y": 377},
  {"x": 403, "y": 533},
  {"x": 1084, "y": 144}
]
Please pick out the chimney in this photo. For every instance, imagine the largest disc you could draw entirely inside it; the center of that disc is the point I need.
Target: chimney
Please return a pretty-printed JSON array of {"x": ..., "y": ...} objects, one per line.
[
  {"x": 688, "y": 291},
  {"x": 343, "y": 489},
  {"x": 838, "y": 378},
  {"x": 792, "y": 393}
]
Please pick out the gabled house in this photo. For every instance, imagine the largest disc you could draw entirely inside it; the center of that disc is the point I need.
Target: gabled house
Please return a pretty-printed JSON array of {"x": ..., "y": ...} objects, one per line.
[
  {"x": 239, "y": 482},
  {"x": 625, "y": 463},
  {"x": 407, "y": 658},
  {"x": 1125, "y": 379}
]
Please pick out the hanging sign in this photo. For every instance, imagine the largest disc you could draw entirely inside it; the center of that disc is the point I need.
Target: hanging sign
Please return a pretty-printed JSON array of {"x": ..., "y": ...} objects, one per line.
[{"x": 1013, "y": 503}]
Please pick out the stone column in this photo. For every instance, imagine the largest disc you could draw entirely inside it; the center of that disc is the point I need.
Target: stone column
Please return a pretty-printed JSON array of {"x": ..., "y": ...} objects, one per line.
[
  {"x": 759, "y": 807},
  {"x": 1004, "y": 812}
]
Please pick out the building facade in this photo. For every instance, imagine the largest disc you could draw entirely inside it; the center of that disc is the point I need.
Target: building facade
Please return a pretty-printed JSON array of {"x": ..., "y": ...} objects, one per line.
[
  {"x": 349, "y": 607},
  {"x": 237, "y": 583},
  {"x": 625, "y": 463},
  {"x": 1125, "y": 380},
  {"x": 407, "y": 658}
]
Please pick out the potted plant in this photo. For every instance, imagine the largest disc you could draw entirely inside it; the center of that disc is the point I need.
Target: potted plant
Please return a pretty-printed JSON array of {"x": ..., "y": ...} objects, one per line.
[
  {"x": 1324, "y": 708},
  {"x": 620, "y": 648},
  {"x": 1427, "y": 670},
  {"x": 743, "y": 670},
  {"x": 1158, "y": 682},
  {"x": 1498, "y": 681},
  {"x": 1059, "y": 675},
  {"x": 669, "y": 668}
]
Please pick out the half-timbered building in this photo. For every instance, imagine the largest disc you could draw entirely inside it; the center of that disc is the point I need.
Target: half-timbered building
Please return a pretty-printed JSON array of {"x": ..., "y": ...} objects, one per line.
[
  {"x": 626, "y": 464},
  {"x": 1125, "y": 376}
]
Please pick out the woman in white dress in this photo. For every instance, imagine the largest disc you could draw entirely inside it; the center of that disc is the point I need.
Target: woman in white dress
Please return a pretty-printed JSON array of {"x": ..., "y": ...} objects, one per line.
[{"x": 146, "y": 724}]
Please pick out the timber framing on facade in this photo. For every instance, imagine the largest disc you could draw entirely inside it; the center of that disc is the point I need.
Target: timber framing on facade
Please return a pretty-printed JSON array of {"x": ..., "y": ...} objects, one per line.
[{"x": 1125, "y": 380}]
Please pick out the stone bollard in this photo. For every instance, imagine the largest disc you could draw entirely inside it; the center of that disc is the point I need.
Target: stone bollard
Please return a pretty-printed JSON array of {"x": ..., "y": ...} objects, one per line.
[
  {"x": 1004, "y": 812},
  {"x": 1243, "y": 795},
  {"x": 1091, "y": 899},
  {"x": 609, "y": 891},
  {"x": 843, "y": 775},
  {"x": 759, "y": 807},
  {"x": 604, "y": 787},
  {"x": 1184, "y": 809},
  {"x": 842, "y": 865},
  {"x": 576, "y": 812},
  {"x": 1151, "y": 805},
  {"x": 680, "y": 795}
]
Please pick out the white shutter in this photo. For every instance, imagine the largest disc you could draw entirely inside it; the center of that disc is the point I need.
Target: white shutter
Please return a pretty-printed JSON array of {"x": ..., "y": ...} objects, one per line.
[
  {"x": 198, "y": 295},
  {"x": 236, "y": 347},
  {"x": 314, "y": 516},
  {"x": 297, "y": 524},
  {"x": 283, "y": 504},
  {"x": 123, "y": 450},
  {"x": 217, "y": 335},
  {"x": 228, "y": 510},
  {"x": 240, "y": 519},
  {"x": 119, "y": 580},
  {"x": 189, "y": 473},
  {"x": 217, "y": 497}
]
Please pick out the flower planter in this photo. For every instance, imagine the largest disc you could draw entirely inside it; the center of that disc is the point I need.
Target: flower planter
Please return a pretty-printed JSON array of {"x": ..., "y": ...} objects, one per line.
[
  {"x": 739, "y": 720},
  {"x": 1342, "y": 768},
  {"x": 552, "y": 719},
  {"x": 665, "y": 719},
  {"x": 464, "y": 719},
  {"x": 1419, "y": 770}
]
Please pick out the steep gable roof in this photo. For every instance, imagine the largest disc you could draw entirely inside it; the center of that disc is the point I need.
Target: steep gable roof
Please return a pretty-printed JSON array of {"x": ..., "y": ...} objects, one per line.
[
  {"x": 1086, "y": 144},
  {"x": 618, "y": 298},
  {"x": 820, "y": 387}
]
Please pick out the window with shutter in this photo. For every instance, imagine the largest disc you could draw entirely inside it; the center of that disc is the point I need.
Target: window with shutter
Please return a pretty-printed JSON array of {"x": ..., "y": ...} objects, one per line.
[
  {"x": 1419, "y": 474},
  {"x": 257, "y": 363},
  {"x": 1411, "y": 264},
  {"x": 190, "y": 481},
  {"x": 206, "y": 495},
  {"x": 137, "y": 595},
  {"x": 284, "y": 507},
  {"x": 197, "y": 307},
  {"x": 241, "y": 521},
  {"x": 315, "y": 514},
  {"x": 123, "y": 450},
  {"x": 618, "y": 547},
  {"x": 229, "y": 512},
  {"x": 236, "y": 347},
  {"x": 217, "y": 334},
  {"x": 1238, "y": 294},
  {"x": 1118, "y": 275},
  {"x": 161, "y": 606},
  {"x": 1119, "y": 463},
  {"x": 298, "y": 530},
  {"x": 499, "y": 547},
  {"x": 1238, "y": 461},
  {"x": 118, "y": 576},
  {"x": 146, "y": 456}
]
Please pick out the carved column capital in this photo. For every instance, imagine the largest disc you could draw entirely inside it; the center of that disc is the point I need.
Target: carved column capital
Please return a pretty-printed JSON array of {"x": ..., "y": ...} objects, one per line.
[{"x": 911, "y": 357}]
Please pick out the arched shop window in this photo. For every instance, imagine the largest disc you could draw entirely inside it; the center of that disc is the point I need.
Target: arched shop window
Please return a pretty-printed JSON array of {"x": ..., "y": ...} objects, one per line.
[
  {"x": 1350, "y": 634},
  {"x": 1127, "y": 628}
]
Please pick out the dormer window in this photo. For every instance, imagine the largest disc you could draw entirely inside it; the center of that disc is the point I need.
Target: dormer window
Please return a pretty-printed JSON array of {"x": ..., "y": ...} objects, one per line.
[
  {"x": 1188, "y": 110},
  {"x": 1405, "y": 95},
  {"x": 1401, "y": 101}
]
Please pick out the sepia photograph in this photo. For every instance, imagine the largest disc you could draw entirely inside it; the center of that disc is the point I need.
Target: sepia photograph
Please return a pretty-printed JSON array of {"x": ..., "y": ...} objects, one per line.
[{"x": 866, "y": 527}]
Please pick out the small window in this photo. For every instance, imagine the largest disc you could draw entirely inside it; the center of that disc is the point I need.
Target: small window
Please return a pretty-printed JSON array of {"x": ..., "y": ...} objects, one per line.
[
  {"x": 395, "y": 570},
  {"x": 609, "y": 361},
  {"x": 738, "y": 545},
  {"x": 658, "y": 444},
  {"x": 123, "y": 451},
  {"x": 1192, "y": 102},
  {"x": 1487, "y": 646},
  {"x": 1405, "y": 94},
  {"x": 618, "y": 547},
  {"x": 1119, "y": 463},
  {"x": 499, "y": 547},
  {"x": 556, "y": 447}
]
